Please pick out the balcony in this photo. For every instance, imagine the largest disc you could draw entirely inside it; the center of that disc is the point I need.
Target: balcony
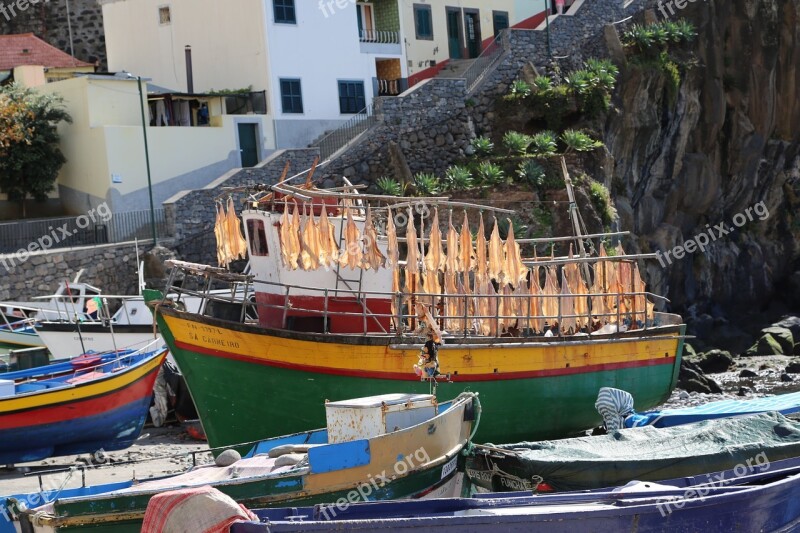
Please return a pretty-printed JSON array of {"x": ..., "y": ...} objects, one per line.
[{"x": 380, "y": 42}]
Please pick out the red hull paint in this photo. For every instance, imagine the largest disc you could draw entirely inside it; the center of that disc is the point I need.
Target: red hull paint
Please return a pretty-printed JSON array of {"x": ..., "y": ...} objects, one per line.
[
  {"x": 271, "y": 315},
  {"x": 81, "y": 409},
  {"x": 408, "y": 376}
]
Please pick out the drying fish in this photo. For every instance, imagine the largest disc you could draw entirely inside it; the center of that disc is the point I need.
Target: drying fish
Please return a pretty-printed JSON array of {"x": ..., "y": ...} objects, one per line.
[
  {"x": 481, "y": 261},
  {"x": 550, "y": 295},
  {"x": 568, "y": 322},
  {"x": 329, "y": 248},
  {"x": 451, "y": 263},
  {"x": 451, "y": 308},
  {"x": 219, "y": 236},
  {"x": 412, "y": 256},
  {"x": 515, "y": 269},
  {"x": 434, "y": 260},
  {"x": 238, "y": 244},
  {"x": 310, "y": 251},
  {"x": 466, "y": 257},
  {"x": 496, "y": 259},
  {"x": 350, "y": 256},
  {"x": 373, "y": 258}
]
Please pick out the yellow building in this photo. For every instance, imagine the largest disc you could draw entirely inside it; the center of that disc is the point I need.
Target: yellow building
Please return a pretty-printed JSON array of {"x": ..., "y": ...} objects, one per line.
[
  {"x": 31, "y": 62},
  {"x": 105, "y": 150}
]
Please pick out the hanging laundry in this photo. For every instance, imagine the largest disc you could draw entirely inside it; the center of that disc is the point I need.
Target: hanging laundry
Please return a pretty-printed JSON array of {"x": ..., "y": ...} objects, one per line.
[
  {"x": 451, "y": 263},
  {"x": 435, "y": 259},
  {"x": 466, "y": 258},
  {"x": 351, "y": 255},
  {"x": 496, "y": 258},
  {"x": 515, "y": 269},
  {"x": 373, "y": 257}
]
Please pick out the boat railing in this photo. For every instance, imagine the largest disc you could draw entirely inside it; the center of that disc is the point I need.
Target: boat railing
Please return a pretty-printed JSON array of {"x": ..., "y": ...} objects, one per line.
[{"x": 623, "y": 311}]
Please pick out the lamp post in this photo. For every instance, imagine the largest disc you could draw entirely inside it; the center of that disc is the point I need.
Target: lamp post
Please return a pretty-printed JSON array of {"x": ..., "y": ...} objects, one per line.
[
  {"x": 547, "y": 26},
  {"x": 147, "y": 160}
]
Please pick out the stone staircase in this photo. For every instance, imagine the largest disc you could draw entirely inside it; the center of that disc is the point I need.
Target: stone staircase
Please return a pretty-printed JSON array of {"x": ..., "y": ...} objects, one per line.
[{"x": 456, "y": 68}]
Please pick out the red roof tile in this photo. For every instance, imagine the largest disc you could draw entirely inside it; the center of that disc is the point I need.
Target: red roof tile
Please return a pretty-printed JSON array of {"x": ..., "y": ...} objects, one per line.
[{"x": 27, "y": 49}]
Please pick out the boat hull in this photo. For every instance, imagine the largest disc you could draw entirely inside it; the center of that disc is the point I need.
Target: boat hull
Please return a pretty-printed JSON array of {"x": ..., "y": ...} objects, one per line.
[
  {"x": 17, "y": 338},
  {"x": 63, "y": 340},
  {"x": 251, "y": 383},
  {"x": 105, "y": 413}
]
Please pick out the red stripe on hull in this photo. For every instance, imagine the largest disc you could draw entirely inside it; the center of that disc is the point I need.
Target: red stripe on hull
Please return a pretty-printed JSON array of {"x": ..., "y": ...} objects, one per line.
[
  {"x": 83, "y": 408},
  {"x": 410, "y": 376}
]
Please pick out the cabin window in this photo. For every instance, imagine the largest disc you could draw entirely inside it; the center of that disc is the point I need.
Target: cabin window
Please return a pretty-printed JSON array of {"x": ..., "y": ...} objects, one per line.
[{"x": 258, "y": 238}]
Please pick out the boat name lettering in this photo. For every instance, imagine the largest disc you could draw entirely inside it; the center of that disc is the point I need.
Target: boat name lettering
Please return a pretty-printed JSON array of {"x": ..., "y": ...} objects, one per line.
[
  {"x": 481, "y": 475},
  {"x": 216, "y": 341},
  {"x": 515, "y": 483},
  {"x": 449, "y": 467}
]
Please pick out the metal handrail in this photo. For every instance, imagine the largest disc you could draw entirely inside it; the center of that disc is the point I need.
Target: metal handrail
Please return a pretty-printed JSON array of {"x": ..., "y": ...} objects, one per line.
[
  {"x": 483, "y": 63},
  {"x": 346, "y": 133}
]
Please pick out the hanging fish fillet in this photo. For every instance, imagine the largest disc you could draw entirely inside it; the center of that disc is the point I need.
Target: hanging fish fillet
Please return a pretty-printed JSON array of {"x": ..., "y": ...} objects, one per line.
[
  {"x": 496, "y": 259},
  {"x": 329, "y": 249},
  {"x": 451, "y": 307},
  {"x": 393, "y": 260},
  {"x": 237, "y": 241},
  {"x": 310, "y": 241},
  {"x": 515, "y": 269},
  {"x": 483, "y": 307},
  {"x": 481, "y": 261},
  {"x": 642, "y": 307},
  {"x": 434, "y": 260},
  {"x": 293, "y": 236},
  {"x": 536, "y": 323},
  {"x": 431, "y": 285},
  {"x": 624, "y": 282},
  {"x": 578, "y": 288},
  {"x": 373, "y": 258},
  {"x": 466, "y": 257},
  {"x": 219, "y": 236},
  {"x": 451, "y": 263},
  {"x": 550, "y": 295},
  {"x": 568, "y": 323},
  {"x": 412, "y": 256},
  {"x": 350, "y": 256}
]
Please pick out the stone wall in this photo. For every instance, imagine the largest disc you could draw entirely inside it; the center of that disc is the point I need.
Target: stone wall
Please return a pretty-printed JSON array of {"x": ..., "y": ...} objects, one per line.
[
  {"x": 110, "y": 267},
  {"x": 48, "y": 20},
  {"x": 190, "y": 214}
]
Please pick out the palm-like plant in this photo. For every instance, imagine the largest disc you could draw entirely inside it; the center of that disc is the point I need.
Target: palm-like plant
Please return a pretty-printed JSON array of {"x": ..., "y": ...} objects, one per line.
[
  {"x": 427, "y": 184},
  {"x": 458, "y": 179},
  {"x": 516, "y": 142},
  {"x": 579, "y": 81},
  {"x": 544, "y": 144},
  {"x": 542, "y": 83},
  {"x": 389, "y": 186},
  {"x": 483, "y": 146},
  {"x": 532, "y": 172},
  {"x": 491, "y": 174},
  {"x": 520, "y": 89},
  {"x": 577, "y": 141}
]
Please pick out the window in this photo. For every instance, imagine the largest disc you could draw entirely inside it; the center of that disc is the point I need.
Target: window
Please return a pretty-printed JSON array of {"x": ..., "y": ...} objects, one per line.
[
  {"x": 291, "y": 96},
  {"x": 351, "y": 97},
  {"x": 284, "y": 11},
  {"x": 500, "y": 19},
  {"x": 257, "y": 237},
  {"x": 423, "y": 22},
  {"x": 366, "y": 22},
  {"x": 164, "y": 15}
]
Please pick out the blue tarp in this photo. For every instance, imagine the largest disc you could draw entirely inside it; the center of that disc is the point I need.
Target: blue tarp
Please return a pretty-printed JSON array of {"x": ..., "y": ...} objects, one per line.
[{"x": 785, "y": 404}]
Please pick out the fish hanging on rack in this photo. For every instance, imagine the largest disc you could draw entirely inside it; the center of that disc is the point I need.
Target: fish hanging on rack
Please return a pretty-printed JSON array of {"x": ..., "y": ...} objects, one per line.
[
  {"x": 550, "y": 294},
  {"x": 293, "y": 234},
  {"x": 285, "y": 239},
  {"x": 568, "y": 322},
  {"x": 496, "y": 258},
  {"x": 536, "y": 323},
  {"x": 393, "y": 260},
  {"x": 373, "y": 257},
  {"x": 238, "y": 244},
  {"x": 466, "y": 258},
  {"x": 435, "y": 259},
  {"x": 451, "y": 307},
  {"x": 483, "y": 306},
  {"x": 624, "y": 282},
  {"x": 451, "y": 262},
  {"x": 350, "y": 256},
  {"x": 578, "y": 288},
  {"x": 329, "y": 250},
  {"x": 412, "y": 256},
  {"x": 218, "y": 235},
  {"x": 641, "y": 305},
  {"x": 515, "y": 269},
  {"x": 309, "y": 241},
  {"x": 481, "y": 261},
  {"x": 600, "y": 308}
]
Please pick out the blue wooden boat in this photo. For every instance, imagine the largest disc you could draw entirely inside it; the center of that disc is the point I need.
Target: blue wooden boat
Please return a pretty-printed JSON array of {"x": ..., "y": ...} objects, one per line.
[
  {"x": 80, "y": 406},
  {"x": 766, "y": 499}
]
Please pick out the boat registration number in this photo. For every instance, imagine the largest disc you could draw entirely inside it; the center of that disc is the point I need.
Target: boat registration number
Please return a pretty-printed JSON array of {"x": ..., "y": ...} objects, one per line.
[{"x": 450, "y": 467}]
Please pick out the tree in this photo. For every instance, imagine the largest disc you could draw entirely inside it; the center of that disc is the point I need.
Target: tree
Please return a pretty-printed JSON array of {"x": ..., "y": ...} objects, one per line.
[{"x": 30, "y": 157}]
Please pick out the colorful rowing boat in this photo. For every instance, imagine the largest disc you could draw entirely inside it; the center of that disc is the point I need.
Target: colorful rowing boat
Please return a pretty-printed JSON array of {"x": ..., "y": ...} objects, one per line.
[
  {"x": 388, "y": 447},
  {"x": 82, "y": 406},
  {"x": 333, "y": 328}
]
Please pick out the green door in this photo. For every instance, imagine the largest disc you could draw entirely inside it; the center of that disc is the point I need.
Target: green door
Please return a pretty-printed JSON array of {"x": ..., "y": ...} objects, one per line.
[
  {"x": 454, "y": 33},
  {"x": 500, "y": 19},
  {"x": 473, "y": 32},
  {"x": 248, "y": 146}
]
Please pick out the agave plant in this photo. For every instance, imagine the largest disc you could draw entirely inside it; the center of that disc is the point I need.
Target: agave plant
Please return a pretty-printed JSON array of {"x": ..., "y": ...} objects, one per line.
[
  {"x": 532, "y": 172},
  {"x": 686, "y": 30},
  {"x": 639, "y": 36},
  {"x": 520, "y": 89},
  {"x": 491, "y": 174},
  {"x": 516, "y": 142},
  {"x": 598, "y": 66},
  {"x": 389, "y": 186},
  {"x": 577, "y": 141},
  {"x": 579, "y": 81},
  {"x": 427, "y": 184},
  {"x": 544, "y": 144},
  {"x": 483, "y": 146},
  {"x": 542, "y": 83},
  {"x": 458, "y": 179}
]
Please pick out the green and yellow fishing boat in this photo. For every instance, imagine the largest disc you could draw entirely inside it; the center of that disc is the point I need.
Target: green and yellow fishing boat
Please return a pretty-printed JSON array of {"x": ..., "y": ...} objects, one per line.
[{"x": 331, "y": 326}]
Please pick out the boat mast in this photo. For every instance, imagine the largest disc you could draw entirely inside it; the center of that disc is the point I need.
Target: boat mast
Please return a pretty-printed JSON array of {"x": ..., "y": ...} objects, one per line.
[{"x": 573, "y": 215}]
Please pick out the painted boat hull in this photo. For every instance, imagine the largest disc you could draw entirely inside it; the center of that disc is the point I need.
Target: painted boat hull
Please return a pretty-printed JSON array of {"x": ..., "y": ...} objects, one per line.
[
  {"x": 106, "y": 413},
  {"x": 23, "y": 339},
  {"x": 774, "y": 507},
  {"x": 336, "y": 477},
  {"x": 63, "y": 340},
  {"x": 251, "y": 383}
]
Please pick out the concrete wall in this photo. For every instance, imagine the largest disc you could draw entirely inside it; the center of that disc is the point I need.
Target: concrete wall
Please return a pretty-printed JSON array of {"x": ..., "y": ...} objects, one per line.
[
  {"x": 104, "y": 147},
  {"x": 227, "y": 40},
  {"x": 48, "y": 20},
  {"x": 110, "y": 267}
]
